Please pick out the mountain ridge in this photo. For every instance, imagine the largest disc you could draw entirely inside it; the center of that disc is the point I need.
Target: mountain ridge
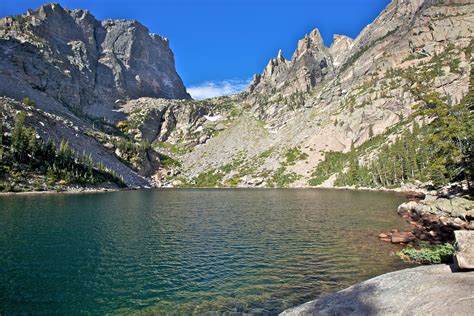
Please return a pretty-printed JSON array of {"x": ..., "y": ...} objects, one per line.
[{"x": 292, "y": 117}]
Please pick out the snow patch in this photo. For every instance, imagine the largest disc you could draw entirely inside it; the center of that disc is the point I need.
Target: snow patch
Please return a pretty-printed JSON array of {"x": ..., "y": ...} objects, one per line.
[{"x": 212, "y": 118}]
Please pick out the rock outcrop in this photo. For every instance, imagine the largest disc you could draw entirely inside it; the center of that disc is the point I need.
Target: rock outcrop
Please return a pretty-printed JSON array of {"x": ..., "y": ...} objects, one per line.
[
  {"x": 464, "y": 256},
  {"x": 436, "y": 219},
  {"x": 332, "y": 99},
  {"x": 58, "y": 128},
  {"x": 83, "y": 63},
  {"x": 310, "y": 64},
  {"x": 417, "y": 291},
  {"x": 340, "y": 49}
]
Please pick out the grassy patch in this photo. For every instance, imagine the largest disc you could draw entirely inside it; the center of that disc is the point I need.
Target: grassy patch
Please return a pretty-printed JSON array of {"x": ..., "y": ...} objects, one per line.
[
  {"x": 172, "y": 148},
  {"x": 265, "y": 154}
]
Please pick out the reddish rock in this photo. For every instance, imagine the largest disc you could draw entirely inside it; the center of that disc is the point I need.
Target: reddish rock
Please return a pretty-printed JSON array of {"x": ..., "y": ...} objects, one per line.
[
  {"x": 382, "y": 235},
  {"x": 415, "y": 196},
  {"x": 402, "y": 237},
  {"x": 458, "y": 223}
]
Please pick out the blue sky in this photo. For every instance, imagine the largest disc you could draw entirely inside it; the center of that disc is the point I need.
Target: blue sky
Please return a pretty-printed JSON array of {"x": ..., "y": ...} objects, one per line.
[{"x": 220, "y": 44}]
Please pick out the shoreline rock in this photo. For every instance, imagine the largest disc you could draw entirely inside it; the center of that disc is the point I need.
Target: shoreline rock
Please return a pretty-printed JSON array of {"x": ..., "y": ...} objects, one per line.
[
  {"x": 464, "y": 256},
  {"x": 436, "y": 218},
  {"x": 395, "y": 293},
  {"x": 435, "y": 215}
]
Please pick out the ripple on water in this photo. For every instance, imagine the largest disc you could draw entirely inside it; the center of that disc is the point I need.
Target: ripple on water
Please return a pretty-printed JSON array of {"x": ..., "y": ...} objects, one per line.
[{"x": 189, "y": 251}]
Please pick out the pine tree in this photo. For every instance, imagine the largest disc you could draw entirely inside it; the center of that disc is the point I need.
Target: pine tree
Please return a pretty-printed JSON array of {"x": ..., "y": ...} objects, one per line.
[
  {"x": 19, "y": 145},
  {"x": 1, "y": 140}
]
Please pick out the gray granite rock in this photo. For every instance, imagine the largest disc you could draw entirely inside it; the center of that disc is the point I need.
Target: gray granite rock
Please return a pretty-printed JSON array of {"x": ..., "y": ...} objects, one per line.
[
  {"x": 426, "y": 290},
  {"x": 464, "y": 255},
  {"x": 83, "y": 63}
]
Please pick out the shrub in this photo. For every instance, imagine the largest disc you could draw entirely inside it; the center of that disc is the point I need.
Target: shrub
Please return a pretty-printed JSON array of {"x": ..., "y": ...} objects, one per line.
[
  {"x": 428, "y": 254},
  {"x": 28, "y": 102},
  {"x": 293, "y": 155},
  {"x": 123, "y": 126}
]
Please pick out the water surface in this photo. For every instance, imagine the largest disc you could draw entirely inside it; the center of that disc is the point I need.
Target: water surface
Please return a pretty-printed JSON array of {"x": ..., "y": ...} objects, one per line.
[{"x": 189, "y": 251}]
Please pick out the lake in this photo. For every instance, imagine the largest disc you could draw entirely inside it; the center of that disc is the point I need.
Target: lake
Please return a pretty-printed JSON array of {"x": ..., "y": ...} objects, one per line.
[{"x": 175, "y": 251}]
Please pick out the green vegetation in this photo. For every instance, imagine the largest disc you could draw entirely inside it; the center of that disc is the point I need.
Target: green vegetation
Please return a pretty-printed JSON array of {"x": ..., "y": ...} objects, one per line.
[
  {"x": 131, "y": 152},
  {"x": 168, "y": 162},
  {"x": 172, "y": 148},
  {"x": 439, "y": 151},
  {"x": 332, "y": 163},
  {"x": 282, "y": 179},
  {"x": 428, "y": 254},
  {"x": 29, "y": 163},
  {"x": 293, "y": 155},
  {"x": 265, "y": 154},
  {"x": 28, "y": 102},
  {"x": 123, "y": 126},
  {"x": 208, "y": 179}
]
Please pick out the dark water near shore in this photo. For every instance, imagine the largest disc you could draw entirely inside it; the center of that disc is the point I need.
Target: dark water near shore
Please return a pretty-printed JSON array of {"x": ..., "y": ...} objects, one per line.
[{"x": 189, "y": 251}]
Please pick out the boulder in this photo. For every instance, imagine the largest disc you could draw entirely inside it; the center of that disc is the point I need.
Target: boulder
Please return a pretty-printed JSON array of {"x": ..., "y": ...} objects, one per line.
[
  {"x": 464, "y": 256},
  {"x": 402, "y": 237},
  {"x": 455, "y": 207},
  {"x": 425, "y": 290}
]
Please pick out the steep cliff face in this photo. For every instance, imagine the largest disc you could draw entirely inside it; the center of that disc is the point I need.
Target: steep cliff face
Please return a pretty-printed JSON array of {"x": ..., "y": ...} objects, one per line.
[
  {"x": 76, "y": 71},
  {"x": 84, "y": 63},
  {"x": 340, "y": 49},
  {"x": 310, "y": 64},
  {"x": 337, "y": 98}
]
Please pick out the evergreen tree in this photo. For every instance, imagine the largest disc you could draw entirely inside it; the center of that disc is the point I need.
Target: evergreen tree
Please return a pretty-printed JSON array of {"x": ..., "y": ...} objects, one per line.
[{"x": 1, "y": 140}]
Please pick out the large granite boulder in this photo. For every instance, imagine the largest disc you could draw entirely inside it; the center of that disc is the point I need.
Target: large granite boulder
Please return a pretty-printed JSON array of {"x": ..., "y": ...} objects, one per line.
[
  {"x": 426, "y": 290},
  {"x": 464, "y": 255}
]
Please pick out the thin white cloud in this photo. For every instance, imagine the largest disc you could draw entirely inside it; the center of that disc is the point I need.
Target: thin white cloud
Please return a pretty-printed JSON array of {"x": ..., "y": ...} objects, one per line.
[{"x": 210, "y": 89}]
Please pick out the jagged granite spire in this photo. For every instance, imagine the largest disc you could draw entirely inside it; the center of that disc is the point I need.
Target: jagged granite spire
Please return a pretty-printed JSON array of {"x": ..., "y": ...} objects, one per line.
[
  {"x": 310, "y": 64},
  {"x": 340, "y": 48}
]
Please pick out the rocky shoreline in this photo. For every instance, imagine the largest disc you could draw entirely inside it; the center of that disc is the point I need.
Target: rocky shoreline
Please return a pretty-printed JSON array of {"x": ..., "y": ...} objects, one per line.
[
  {"x": 445, "y": 215},
  {"x": 435, "y": 216},
  {"x": 74, "y": 190}
]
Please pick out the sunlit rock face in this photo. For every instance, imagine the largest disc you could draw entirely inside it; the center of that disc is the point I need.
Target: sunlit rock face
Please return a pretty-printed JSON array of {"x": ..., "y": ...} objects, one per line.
[{"x": 84, "y": 63}]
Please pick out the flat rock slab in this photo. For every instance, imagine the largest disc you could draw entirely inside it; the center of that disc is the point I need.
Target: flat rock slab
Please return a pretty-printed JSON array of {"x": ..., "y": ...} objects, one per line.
[
  {"x": 465, "y": 249},
  {"x": 424, "y": 290}
]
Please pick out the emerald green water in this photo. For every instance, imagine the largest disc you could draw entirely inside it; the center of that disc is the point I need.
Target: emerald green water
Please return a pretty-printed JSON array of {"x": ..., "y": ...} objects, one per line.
[{"x": 184, "y": 251}]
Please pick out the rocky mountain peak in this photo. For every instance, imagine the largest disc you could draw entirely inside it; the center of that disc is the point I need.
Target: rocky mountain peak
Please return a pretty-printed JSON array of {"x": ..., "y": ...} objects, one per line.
[
  {"x": 280, "y": 55},
  {"x": 340, "y": 48},
  {"x": 50, "y": 8},
  {"x": 311, "y": 63},
  {"x": 275, "y": 65},
  {"x": 311, "y": 42},
  {"x": 85, "y": 64}
]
